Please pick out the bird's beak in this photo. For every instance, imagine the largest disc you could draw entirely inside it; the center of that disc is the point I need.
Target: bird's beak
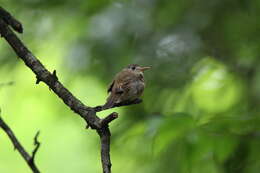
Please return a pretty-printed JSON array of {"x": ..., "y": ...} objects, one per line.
[{"x": 144, "y": 68}]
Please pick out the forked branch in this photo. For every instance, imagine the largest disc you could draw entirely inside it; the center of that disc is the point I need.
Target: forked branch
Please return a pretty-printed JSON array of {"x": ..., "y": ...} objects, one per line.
[
  {"x": 17, "y": 145},
  {"x": 51, "y": 79}
]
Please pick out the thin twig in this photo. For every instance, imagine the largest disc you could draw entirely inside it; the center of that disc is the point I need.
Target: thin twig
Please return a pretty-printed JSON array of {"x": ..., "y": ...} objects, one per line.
[
  {"x": 37, "y": 145},
  {"x": 17, "y": 145},
  {"x": 105, "y": 121},
  {"x": 127, "y": 103}
]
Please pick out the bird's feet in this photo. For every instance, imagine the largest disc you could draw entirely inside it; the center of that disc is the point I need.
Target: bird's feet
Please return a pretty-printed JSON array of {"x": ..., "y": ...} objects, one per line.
[{"x": 125, "y": 103}]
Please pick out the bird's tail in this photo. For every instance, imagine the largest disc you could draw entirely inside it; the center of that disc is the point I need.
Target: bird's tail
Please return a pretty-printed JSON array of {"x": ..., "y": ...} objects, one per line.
[{"x": 111, "y": 100}]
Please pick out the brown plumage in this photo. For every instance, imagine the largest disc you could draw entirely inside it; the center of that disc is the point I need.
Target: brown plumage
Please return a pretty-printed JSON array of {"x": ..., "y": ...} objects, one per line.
[{"x": 127, "y": 85}]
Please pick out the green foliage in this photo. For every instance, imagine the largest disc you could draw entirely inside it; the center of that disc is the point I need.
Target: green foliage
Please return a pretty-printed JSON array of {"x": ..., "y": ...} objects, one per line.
[{"x": 200, "y": 111}]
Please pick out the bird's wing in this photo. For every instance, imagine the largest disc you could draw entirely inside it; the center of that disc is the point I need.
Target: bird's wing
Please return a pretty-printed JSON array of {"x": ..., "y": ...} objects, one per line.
[
  {"x": 119, "y": 87},
  {"x": 122, "y": 87},
  {"x": 110, "y": 86},
  {"x": 122, "y": 82}
]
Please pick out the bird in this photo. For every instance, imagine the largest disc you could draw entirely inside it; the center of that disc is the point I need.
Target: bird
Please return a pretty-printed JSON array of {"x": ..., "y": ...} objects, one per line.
[{"x": 128, "y": 85}]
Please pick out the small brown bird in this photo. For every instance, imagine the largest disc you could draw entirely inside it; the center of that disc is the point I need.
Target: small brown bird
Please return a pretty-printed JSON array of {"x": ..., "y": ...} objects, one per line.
[{"x": 127, "y": 85}]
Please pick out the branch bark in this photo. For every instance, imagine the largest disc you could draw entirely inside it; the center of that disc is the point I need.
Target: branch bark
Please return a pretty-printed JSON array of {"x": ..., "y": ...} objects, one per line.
[
  {"x": 51, "y": 79},
  {"x": 17, "y": 145},
  {"x": 104, "y": 134},
  {"x": 127, "y": 103}
]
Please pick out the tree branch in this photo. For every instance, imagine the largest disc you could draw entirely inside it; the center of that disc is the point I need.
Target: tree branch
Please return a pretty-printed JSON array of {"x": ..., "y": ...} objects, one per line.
[
  {"x": 51, "y": 79},
  {"x": 104, "y": 122},
  {"x": 47, "y": 77},
  {"x": 37, "y": 145},
  {"x": 127, "y": 103},
  {"x": 29, "y": 160},
  {"x": 10, "y": 20},
  {"x": 104, "y": 134}
]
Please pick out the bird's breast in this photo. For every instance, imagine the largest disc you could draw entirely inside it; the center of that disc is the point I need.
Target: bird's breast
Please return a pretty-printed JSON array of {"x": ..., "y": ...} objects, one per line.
[{"x": 137, "y": 87}]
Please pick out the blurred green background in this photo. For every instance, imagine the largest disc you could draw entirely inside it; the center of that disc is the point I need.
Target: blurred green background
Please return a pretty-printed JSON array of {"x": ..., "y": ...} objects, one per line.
[{"x": 201, "y": 109}]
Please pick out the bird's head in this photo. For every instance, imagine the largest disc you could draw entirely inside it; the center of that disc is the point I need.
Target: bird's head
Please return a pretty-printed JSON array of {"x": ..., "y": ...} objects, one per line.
[{"x": 137, "y": 68}]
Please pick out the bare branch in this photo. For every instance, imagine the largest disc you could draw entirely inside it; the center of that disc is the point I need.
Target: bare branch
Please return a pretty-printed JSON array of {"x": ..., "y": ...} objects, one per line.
[
  {"x": 37, "y": 145},
  {"x": 51, "y": 79},
  {"x": 10, "y": 20},
  {"x": 108, "y": 119},
  {"x": 104, "y": 134},
  {"x": 48, "y": 78},
  {"x": 29, "y": 160},
  {"x": 136, "y": 101}
]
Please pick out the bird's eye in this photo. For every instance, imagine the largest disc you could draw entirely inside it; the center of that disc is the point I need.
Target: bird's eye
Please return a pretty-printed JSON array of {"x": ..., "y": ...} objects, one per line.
[{"x": 133, "y": 68}]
